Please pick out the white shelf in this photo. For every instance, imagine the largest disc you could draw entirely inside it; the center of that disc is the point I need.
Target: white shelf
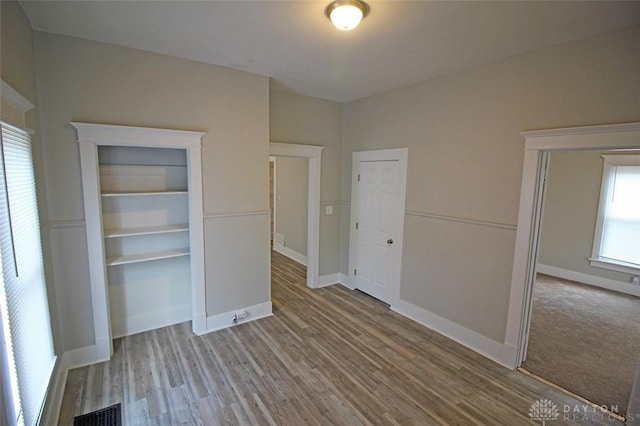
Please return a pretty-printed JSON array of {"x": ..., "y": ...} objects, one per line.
[
  {"x": 147, "y": 230},
  {"x": 146, "y": 257},
  {"x": 137, "y": 194}
]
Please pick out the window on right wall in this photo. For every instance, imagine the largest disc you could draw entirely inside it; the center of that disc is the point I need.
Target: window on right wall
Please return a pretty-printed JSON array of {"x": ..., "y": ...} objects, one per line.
[{"x": 616, "y": 243}]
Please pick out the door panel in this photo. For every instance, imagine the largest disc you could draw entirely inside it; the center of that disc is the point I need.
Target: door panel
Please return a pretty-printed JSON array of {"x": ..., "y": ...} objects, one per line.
[{"x": 378, "y": 195}]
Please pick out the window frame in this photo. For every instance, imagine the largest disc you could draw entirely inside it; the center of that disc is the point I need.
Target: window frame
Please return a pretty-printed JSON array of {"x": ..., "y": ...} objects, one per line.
[{"x": 596, "y": 260}]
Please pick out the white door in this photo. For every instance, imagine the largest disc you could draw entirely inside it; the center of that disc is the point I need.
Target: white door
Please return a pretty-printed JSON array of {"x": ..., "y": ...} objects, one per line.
[{"x": 377, "y": 222}]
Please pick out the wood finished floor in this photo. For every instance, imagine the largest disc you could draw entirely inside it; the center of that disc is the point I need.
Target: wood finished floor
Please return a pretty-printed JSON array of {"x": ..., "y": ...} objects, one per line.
[{"x": 327, "y": 356}]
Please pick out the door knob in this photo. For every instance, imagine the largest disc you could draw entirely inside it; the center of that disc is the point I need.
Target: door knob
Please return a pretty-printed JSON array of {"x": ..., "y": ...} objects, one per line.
[{"x": 389, "y": 241}]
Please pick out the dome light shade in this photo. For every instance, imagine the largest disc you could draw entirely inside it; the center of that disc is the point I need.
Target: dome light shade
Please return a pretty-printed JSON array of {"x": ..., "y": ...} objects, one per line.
[{"x": 346, "y": 14}]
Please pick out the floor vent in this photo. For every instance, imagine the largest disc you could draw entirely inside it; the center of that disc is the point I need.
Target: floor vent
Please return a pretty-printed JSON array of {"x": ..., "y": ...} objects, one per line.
[{"x": 110, "y": 416}]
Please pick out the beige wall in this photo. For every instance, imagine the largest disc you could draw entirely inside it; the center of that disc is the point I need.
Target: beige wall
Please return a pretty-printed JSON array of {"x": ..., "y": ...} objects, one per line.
[
  {"x": 17, "y": 68},
  {"x": 465, "y": 161},
  {"x": 86, "y": 81},
  {"x": 311, "y": 121},
  {"x": 292, "y": 177},
  {"x": 570, "y": 212}
]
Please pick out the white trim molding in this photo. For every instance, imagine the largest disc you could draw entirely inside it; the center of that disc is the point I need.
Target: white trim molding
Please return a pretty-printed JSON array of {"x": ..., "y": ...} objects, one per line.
[
  {"x": 591, "y": 280},
  {"x": 226, "y": 319},
  {"x": 503, "y": 354},
  {"x": 13, "y": 98},
  {"x": 90, "y": 136},
  {"x": 290, "y": 253},
  {"x": 538, "y": 145},
  {"x": 331, "y": 279},
  {"x": 55, "y": 393},
  {"x": 208, "y": 216},
  {"x": 471, "y": 220},
  {"x": 314, "y": 154},
  {"x": 75, "y": 358},
  {"x": 132, "y": 325}
]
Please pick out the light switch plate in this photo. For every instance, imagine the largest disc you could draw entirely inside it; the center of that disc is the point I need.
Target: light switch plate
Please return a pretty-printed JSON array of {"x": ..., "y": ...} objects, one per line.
[{"x": 328, "y": 210}]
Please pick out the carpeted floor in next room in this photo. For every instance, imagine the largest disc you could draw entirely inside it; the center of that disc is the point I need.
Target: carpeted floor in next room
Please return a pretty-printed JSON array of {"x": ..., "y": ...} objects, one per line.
[{"x": 585, "y": 339}]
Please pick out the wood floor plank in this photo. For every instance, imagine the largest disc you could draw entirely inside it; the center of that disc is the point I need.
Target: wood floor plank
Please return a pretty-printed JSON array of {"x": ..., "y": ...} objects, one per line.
[{"x": 330, "y": 356}]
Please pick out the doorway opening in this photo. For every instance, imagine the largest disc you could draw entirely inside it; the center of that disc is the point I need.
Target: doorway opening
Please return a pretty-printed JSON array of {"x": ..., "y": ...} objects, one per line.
[
  {"x": 585, "y": 320},
  {"x": 539, "y": 146},
  {"x": 313, "y": 156},
  {"x": 289, "y": 212}
]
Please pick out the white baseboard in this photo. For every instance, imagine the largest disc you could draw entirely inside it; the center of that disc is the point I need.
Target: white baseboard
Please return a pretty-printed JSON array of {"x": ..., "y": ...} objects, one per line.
[
  {"x": 329, "y": 279},
  {"x": 291, "y": 254},
  {"x": 504, "y": 355},
  {"x": 138, "y": 324},
  {"x": 345, "y": 281},
  {"x": 71, "y": 359},
  {"x": 225, "y": 320},
  {"x": 55, "y": 392},
  {"x": 619, "y": 286},
  {"x": 201, "y": 322},
  {"x": 80, "y": 357}
]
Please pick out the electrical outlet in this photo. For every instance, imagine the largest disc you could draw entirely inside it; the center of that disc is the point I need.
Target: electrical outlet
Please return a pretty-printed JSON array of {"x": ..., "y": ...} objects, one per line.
[
  {"x": 240, "y": 316},
  {"x": 635, "y": 280}
]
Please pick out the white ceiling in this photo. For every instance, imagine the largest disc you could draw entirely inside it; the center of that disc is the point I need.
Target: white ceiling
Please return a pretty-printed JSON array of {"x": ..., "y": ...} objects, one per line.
[{"x": 292, "y": 42}]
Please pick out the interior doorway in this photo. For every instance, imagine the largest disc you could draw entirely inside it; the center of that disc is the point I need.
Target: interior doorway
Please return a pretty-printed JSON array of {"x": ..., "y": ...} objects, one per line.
[
  {"x": 583, "y": 336},
  {"x": 289, "y": 212},
  {"x": 539, "y": 145},
  {"x": 313, "y": 155}
]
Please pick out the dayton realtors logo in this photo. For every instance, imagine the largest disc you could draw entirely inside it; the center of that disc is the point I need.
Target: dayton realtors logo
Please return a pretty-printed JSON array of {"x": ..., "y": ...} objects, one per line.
[{"x": 543, "y": 410}]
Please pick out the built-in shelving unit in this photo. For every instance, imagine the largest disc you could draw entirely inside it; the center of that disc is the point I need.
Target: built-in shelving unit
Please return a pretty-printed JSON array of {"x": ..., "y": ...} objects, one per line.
[{"x": 143, "y": 206}]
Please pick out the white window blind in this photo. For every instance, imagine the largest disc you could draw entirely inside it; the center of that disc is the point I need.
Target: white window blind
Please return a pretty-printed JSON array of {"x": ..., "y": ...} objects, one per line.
[
  {"x": 621, "y": 223},
  {"x": 23, "y": 297},
  {"x": 616, "y": 241}
]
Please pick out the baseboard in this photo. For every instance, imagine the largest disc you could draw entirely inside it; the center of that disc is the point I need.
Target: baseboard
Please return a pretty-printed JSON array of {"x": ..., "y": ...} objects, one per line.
[
  {"x": 139, "y": 324},
  {"x": 80, "y": 357},
  {"x": 345, "y": 281},
  {"x": 619, "y": 286},
  {"x": 55, "y": 392},
  {"x": 497, "y": 352},
  {"x": 329, "y": 279},
  {"x": 225, "y": 320},
  {"x": 71, "y": 359},
  {"x": 291, "y": 254}
]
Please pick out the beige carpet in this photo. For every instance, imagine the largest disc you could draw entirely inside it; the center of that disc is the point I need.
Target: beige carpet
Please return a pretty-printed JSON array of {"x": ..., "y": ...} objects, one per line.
[{"x": 585, "y": 339}]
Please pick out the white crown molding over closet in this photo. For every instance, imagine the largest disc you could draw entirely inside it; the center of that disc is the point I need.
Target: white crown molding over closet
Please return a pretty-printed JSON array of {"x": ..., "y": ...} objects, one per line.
[{"x": 129, "y": 231}]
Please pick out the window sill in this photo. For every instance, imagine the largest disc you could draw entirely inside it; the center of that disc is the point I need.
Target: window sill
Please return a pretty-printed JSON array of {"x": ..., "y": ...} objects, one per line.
[{"x": 613, "y": 265}]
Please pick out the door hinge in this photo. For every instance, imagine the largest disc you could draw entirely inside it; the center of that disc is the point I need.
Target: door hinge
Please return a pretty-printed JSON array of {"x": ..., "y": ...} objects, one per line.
[
  {"x": 358, "y": 177},
  {"x": 355, "y": 272},
  {"x": 356, "y": 225}
]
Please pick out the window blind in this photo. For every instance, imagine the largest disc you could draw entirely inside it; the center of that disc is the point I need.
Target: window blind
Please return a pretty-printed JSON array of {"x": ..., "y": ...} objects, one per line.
[
  {"x": 621, "y": 226},
  {"x": 25, "y": 309}
]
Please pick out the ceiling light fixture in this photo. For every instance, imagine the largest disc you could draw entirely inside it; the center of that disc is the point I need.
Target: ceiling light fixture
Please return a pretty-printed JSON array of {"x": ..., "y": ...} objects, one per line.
[{"x": 346, "y": 14}]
